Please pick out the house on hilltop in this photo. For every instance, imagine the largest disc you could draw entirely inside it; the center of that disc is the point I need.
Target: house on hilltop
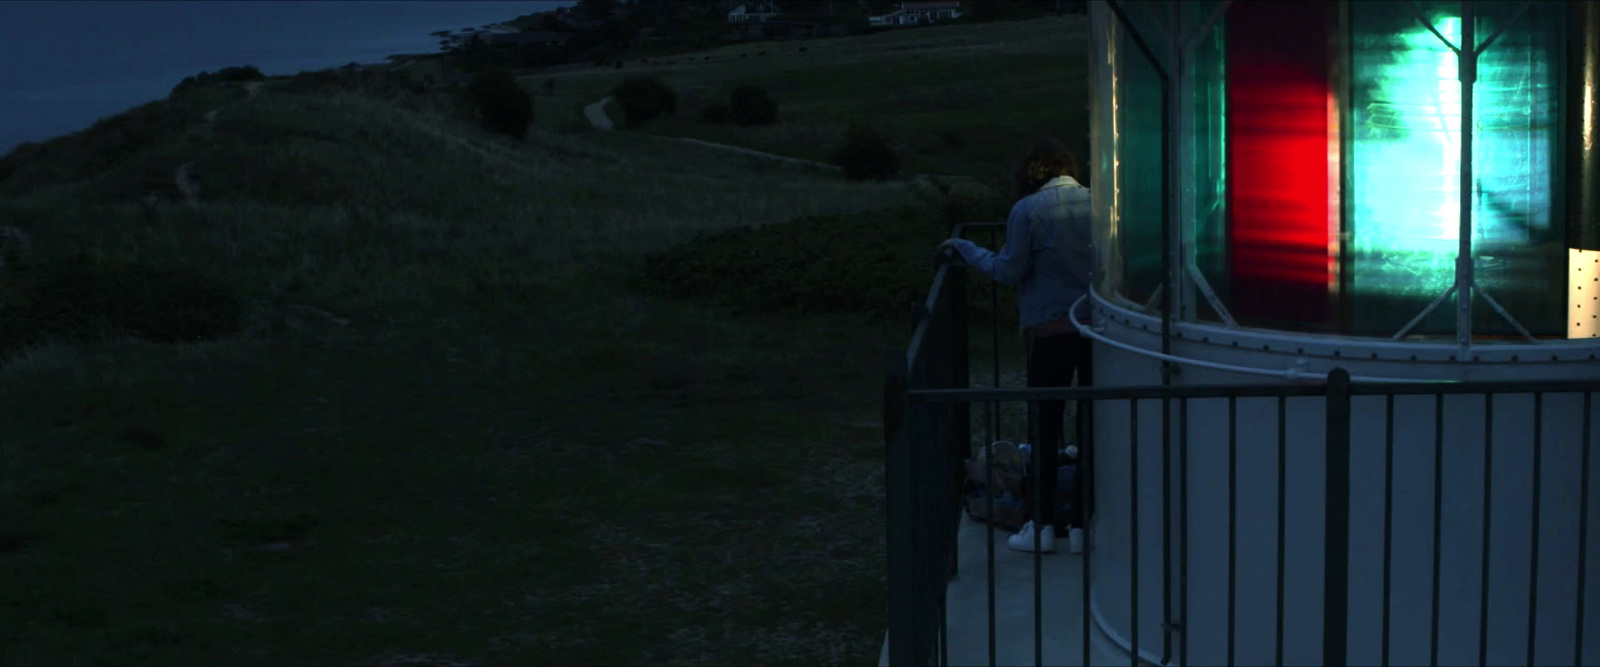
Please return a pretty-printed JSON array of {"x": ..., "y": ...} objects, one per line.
[
  {"x": 755, "y": 12},
  {"x": 765, "y": 20},
  {"x": 918, "y": 13},
  {"x": 818, "y": 9},
  {"x": 776, "y": 30}
]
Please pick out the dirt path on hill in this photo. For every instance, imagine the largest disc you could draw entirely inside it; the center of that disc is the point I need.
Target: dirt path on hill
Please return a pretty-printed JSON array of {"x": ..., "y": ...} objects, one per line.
[
  {"x": 596, "y": 113},
  {"x": 183, "y": 176},
  {"x": 597, "y": 117}
]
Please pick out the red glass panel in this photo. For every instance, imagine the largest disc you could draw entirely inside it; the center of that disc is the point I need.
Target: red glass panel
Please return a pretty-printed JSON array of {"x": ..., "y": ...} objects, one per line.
[{"x": 1282, "y": 152}]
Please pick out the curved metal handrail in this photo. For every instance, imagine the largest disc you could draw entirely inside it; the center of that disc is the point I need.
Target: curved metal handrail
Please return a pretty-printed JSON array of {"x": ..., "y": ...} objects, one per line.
[{"x": 1293, "y": 373}]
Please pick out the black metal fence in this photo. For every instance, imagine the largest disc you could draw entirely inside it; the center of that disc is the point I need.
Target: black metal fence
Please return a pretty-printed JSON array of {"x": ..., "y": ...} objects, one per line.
[{"x": 929, "y": 433}]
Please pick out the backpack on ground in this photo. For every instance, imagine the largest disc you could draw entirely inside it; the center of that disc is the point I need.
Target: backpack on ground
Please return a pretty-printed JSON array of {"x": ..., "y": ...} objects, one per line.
[{"x": 1006, "y": 480}]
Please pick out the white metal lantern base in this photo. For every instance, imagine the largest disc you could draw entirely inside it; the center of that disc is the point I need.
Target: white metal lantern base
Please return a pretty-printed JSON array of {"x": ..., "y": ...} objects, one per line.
[{"x": 1127, "y": 353}]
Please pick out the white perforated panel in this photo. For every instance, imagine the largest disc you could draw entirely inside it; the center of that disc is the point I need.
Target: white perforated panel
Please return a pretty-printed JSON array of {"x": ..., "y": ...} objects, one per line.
[{"x": 1583, "y": 294}]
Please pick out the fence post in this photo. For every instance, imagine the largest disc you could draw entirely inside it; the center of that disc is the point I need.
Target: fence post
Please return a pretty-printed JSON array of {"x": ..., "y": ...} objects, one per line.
[
  {"x": 961, "y": 413},
  {"x": 1336, "y": 522},
  {"x": 901, "y": 505}
]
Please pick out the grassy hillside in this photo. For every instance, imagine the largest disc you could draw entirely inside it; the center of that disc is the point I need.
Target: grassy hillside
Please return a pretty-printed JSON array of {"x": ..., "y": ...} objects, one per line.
[
  {"x": 397, "y": 390},
  {"x": 958, "y": 99}
]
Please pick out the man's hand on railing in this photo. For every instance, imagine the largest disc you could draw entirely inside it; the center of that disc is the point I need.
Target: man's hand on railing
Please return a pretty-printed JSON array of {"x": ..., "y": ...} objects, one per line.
[{"x": 946, "y": 253}]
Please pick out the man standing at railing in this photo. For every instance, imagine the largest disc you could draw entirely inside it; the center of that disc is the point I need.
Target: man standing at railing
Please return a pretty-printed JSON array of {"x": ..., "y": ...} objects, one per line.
[{"x": 1047, "y": 255}]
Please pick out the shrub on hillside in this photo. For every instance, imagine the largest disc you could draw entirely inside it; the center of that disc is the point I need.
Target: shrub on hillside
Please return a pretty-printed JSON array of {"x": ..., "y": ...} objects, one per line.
[
  {"x": 388, "y": 85},
  {"x": 866, "y": 155},
  {"x": 750, "y": 105},
  {"x": 226, "y": 74},
  {"x": 643, "y": 98},
  {"x": 80, "y": 300},
  {"x": 502, "y": 104},
  {"x": 240, "y": 74}
]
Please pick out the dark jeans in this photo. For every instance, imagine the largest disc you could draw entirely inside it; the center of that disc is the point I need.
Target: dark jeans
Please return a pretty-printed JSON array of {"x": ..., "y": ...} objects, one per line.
[{"x": 1054, "y": 361}]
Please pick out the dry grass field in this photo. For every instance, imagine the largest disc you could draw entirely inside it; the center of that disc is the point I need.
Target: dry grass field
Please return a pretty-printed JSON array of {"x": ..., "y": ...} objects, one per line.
[{"x": 489, "y": 401}]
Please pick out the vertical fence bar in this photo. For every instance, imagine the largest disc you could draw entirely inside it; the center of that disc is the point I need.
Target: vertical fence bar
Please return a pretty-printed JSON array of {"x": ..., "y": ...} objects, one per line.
[
  {"x": 944, "y": 323},
  {"x": 1488, "y": 502},
  {"x": 1037, "y": 471},
  {"x": 961, "y": 378},
  {"x": 994, "y": 335},
  {"x": 926, "y": 564},
  {"x": 989, "y": 491},
  {"x": 1533, "y": 558},
  {"x": 898, "y": 481},
  {"x": 1233, "y": 517},
  {"x": 1583, "y": 534},
  {"x": 1336, "y": 526},
  {"x": 994, "y": 418},
  {"x": 1036, "y": 468},
  {"x": 1283, "y": 450},
  {"x": 1133, "y": 511},
  {"x": 1183, "y": 528},
  {"x": 1085, "y": 488},
  {"x": 1388, "y": 517},
  {"x": 988, "y": 444},
  {"x": 1438, "y": 520},
  {"x": 1167, "y": 622},
  {"x": 927, "y": 442}
]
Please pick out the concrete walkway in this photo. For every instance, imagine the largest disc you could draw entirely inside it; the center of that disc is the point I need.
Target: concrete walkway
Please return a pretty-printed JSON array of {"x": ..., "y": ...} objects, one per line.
[{"x": 967, "y": 611}]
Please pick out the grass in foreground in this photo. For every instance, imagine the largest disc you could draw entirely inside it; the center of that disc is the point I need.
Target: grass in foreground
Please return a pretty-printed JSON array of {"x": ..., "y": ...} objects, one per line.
[
  {"x": 635, "y": 481},
  {"x": 507, "y": 457}
]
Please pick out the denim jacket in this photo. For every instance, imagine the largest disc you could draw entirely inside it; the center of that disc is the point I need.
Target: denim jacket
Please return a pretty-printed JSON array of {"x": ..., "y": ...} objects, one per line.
[{"x": 1047, "y": 253}]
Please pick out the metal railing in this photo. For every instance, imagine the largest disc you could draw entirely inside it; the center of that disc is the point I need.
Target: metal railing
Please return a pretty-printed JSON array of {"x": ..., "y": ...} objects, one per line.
[{"x": 929, "y": 433}]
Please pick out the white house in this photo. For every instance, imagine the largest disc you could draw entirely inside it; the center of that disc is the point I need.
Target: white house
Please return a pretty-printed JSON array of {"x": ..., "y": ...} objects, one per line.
[
  {"x": 917, "y": 13},
  {"x": 754, "y": 12}
]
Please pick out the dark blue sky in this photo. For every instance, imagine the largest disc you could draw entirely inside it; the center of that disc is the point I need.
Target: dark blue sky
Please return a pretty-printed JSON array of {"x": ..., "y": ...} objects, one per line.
[{"x": 68, "y": 64}]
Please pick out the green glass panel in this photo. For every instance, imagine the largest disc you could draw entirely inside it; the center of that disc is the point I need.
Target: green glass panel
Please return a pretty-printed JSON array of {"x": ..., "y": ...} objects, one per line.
[
  {"x": 1405, "y": 176},
  {"x": 1206, "y": 107},
  {"x": 1518, "y": 252},
  {"x": 1151, "y": 18},
  {"x": 1404, "y": 167},
  {"x": 1139, "y": 172}
]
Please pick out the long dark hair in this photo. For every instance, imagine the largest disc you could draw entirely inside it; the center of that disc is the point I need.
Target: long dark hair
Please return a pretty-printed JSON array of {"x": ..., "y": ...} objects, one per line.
[{"x": 1046, "y": 160}]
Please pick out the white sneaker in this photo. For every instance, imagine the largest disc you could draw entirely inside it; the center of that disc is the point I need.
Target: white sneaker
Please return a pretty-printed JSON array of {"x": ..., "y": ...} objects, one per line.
[
  {"x": 1075, "y": 540},
  {"x": 1023, "y": 540}
]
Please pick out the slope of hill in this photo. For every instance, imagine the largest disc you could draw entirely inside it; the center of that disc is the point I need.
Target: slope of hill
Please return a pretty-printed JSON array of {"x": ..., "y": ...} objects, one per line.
[
  {"x": 375, "y": 386},
  {"x": 363, "y": 180},
  {"x": 383, "y": 395}
]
